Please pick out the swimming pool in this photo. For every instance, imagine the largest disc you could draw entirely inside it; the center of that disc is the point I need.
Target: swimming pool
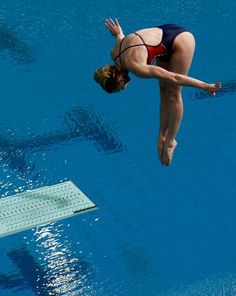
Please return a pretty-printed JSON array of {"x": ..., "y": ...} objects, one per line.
[{"x": 158, "y": 231}]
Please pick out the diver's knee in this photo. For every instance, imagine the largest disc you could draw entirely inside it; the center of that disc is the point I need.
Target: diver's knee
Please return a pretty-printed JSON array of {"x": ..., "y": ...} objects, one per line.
[
  {"x": 168, "y": 90},
  {"x": 174, "y": 96}
]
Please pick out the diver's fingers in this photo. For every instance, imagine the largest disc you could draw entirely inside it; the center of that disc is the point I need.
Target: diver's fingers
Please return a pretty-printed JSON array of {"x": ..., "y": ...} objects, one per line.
[
  {"x": 117, "y": 23},
  {"x": 108, "y": 23},
  {"x": 111, "y": 23},
  {"x": 110, "y": 27},
  {"x": 111, "y": 20}
]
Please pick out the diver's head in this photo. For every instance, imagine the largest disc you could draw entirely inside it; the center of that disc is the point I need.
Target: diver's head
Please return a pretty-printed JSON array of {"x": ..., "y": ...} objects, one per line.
[{"x": 111, "y": 78}]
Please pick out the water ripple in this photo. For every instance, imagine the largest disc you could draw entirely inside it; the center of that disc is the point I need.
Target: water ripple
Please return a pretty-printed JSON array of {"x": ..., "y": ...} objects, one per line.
[
  {"x": 66, "y": 273},
  {"x": 220, "y": 285},
  {"x": 57, "y": 269},
  {"x": 228, "y": 88}
]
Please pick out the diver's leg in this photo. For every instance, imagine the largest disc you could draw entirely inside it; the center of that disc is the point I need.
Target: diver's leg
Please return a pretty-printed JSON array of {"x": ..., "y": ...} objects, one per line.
[
  {"x": 163, "y": 125},
  {"x": 180, "y": 62}
]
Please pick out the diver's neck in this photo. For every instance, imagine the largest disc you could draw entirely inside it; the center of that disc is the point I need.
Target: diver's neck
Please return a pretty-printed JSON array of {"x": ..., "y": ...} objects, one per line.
[{"x": 121, "y": 68}]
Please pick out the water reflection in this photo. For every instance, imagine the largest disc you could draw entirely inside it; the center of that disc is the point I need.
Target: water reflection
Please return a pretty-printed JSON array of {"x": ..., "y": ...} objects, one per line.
[
  {"x": 65, "y": 271},
  {"x": 30, "y": 271},
  {"x": 80, "y": 124},
  {"x": 57, "y": 270},
  {"x": 18, "y": 50}
]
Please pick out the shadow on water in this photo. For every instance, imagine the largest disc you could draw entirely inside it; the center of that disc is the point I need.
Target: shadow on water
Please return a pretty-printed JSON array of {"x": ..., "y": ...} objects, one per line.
[
  {"x": 12, "y": 281},
  {"x": 80, "y": 124},
  {"x": 56, "y": 268},
  {"x": 35, "y": 276},
  {"x": 228, "y": 88},
  {"x": 29, "y": 271},
  {"x": 18, "y": 50}
]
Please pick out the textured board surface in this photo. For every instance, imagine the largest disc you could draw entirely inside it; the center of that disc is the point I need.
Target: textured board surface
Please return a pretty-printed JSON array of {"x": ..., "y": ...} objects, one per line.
[{"x": 41, "y": 206}]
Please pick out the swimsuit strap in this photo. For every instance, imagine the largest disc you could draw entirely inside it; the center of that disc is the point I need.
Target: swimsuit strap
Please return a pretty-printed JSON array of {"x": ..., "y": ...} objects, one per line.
[
  {"x": 140, "y": 44},
  {"x": 121, "y": 51},
  {"x": 144, "y": 43},
  {"x": 140, "y": 38}
]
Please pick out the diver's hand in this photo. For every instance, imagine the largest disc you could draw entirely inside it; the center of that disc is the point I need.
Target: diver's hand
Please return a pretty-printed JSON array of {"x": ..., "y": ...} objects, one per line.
[
  {"x": 213, "y": 88},
  {"x": 114, "y": 27}
]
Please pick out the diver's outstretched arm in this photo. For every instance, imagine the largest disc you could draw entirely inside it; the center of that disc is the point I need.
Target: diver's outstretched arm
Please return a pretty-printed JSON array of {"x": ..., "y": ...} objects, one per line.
[{"x": 149, "y": 71}]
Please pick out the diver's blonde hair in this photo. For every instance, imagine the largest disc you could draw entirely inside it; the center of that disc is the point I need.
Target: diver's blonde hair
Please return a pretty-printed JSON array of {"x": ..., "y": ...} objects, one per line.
[{"x": 107, "y": 77}]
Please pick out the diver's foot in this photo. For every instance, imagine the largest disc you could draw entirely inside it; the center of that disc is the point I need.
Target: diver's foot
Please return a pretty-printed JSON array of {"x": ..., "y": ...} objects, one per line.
[{"x": 167, "y": 153}]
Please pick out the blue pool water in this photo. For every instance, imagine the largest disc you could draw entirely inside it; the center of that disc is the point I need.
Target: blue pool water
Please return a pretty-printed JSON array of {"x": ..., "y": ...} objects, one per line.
[{"x": 158, "y": 231}]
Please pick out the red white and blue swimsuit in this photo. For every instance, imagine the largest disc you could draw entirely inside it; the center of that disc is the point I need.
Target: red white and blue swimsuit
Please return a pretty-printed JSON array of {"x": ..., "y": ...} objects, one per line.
[{"x": 163, "y": 49}]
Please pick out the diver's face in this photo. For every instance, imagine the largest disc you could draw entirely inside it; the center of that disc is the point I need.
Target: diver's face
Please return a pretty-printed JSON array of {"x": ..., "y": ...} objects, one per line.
[{"x": 122, "y": 82}]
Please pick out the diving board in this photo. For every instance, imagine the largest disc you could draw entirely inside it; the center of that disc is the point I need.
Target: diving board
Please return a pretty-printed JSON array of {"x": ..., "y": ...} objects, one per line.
[{"x": 41, "y": 206}]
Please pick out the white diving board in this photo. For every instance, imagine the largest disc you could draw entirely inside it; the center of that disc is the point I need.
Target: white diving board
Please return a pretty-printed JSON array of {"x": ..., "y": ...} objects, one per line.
[{"x": 41, "y": 206}]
